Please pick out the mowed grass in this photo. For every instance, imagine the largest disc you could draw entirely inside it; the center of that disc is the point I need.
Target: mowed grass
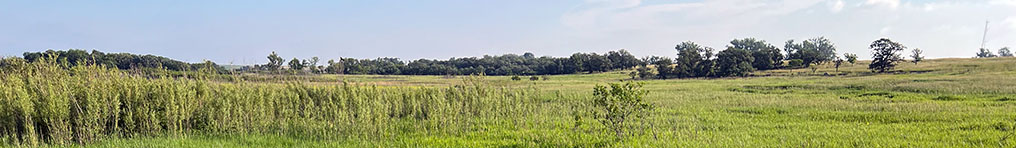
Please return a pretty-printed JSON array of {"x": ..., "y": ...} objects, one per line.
[{"x": 937, "y": 103}]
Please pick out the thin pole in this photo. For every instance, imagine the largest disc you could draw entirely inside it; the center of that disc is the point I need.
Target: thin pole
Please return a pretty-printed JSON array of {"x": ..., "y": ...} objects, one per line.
[{"x": 984, "y": 36}]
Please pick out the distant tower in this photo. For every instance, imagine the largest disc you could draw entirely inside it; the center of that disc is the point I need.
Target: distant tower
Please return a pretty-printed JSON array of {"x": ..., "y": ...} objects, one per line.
[{"x": 984, "y": 36}]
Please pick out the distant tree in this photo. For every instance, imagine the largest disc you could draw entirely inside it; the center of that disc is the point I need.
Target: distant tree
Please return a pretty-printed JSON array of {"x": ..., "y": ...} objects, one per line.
[
  {"x": 296, "y": 65},
  {"x": 706, "y": 67},
  {"x": 812, "y": 51},
  {"x": 597, "y": 62},
  {"x": 621, "y": 59},
  {"x": 795, "y": 63},
  {"x": 789, "y": 48},
  {"x": 852, "y": 58},
  {"x": 312, "y": 64},
  {"x": 334, "y": 67},
  {"x": 274, "y": 62},
  {"x": 688, "y": 56},
  {"x": 533, "y": 78},
  {"x": 645, "y": 72},
  {"x": 577, "y": 62},
  {"x": 985, "y": 53},
  {"x": 766, "y": 55},
  {"x": 1004, "y": 52},
  {"x": 664, "y": 67},
  {"x": 528, "y": 55},
  {"x": 916, "y": 56},
  {"x": 885, "y": 54},
  {"x": 734, "y": 62},
  {"x": 516, "y": 78}
]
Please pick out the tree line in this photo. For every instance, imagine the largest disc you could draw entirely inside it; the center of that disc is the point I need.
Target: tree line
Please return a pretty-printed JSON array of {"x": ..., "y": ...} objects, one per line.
[
  {"x": 73, "y": 57},
  {"x": 739, "y": 58},
  {"x": 507, "y": 64}
]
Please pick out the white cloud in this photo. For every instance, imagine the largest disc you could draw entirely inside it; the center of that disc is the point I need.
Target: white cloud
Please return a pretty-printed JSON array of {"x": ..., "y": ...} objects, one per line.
[
  {"x": 837, "y": 6},
  {"x": 1011, "y": 22},
  {"x": 1003, "y": 2},
  {"x": 945, "y": 28},
  {"x": 891, "y": 4}
]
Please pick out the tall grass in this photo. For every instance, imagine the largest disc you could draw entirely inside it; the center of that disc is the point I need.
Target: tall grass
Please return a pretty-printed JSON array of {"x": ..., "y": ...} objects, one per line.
[{"x": 46, "y": 103}]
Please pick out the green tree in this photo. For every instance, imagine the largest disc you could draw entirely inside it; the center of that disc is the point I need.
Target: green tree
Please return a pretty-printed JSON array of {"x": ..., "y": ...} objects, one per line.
[
  {"x": 765, "y": 55},
  {"x": 916, "y": 56},
  {"x": 794, "y": 63},
  {"x": 706, "y": 67},
  {"x": 852, "y": 58},
  {"x": 692, "y": 60},
  {"x": 1004, "y": 52},
  {"x": 334, "y": 67},
  {"x": 885, "y": 54},
  {"x": 985, "y": 53},
  {"x": 296, "y": 65},
  {"x": 312, "y": 64},
  {"x": 664, "y": 67},
  {"x": 621, "y": 59},
  {"x": 619, "y": 105},
  {"x": 274, "y": 62},
  {"x": 734, "y": 62},
  {"x": 645, "y": 72},
  {"x": 812, "y": 51}
]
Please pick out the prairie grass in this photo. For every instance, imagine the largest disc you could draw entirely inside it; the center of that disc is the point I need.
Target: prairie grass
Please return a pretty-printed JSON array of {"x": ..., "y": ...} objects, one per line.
[{"x": 936, "y": 103}]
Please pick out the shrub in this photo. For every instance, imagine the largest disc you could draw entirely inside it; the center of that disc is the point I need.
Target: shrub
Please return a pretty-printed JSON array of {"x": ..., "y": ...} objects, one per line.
[
  {"x": 619, "y": 105},
  {"x": 533, "y": 78},
  {"x": 516, "y": 78}
]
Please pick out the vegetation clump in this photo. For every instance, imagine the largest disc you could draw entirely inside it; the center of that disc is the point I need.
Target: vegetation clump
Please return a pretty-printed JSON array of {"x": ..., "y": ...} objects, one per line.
[{"x": 619, "y": 105}]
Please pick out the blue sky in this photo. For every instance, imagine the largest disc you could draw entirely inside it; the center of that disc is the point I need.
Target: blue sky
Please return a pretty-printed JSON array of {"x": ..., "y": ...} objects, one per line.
[{"x": 244, "y": 32}]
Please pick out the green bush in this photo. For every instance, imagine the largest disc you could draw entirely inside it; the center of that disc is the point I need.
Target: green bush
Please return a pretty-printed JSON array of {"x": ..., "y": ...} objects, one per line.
[{"x": 619, "y": 105}]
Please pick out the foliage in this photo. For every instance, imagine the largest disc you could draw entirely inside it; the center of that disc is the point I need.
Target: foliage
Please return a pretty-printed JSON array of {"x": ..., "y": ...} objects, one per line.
[
  {"x": 811, "y": 51},
  {"x": 664, "y": 67},
  {"x": 516, "y": 78},
  {"x": 852, "y": 58},
  {"x": 689, "y": 55},
  {"x": 533, "y": 78},
  {"x": 885, "y": 54},
  {"x": 985, "y": 53},
  {"x": 795, "y": 63},
  {"x": 765, "y": 55},
  {"x": 620, "y": 105},
  {"x": 311, "y": 64},
  {"x": 74, "y": 57},
  {"x": 734, "y": 62},
  {"x": 334, "y": 67},
  {"x": 274, "y": 62},
  {"x": 916, "y": 56},
  {"x": 296, "y": 64},
  {"x": 42, "y": 103},
  {"x": 1004, "y": 52},
  {"x": 645, "y": 72}
]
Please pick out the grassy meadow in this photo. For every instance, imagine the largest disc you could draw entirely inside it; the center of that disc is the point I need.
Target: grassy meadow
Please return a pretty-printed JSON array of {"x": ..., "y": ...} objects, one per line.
[{"x": 936, "y": 103}]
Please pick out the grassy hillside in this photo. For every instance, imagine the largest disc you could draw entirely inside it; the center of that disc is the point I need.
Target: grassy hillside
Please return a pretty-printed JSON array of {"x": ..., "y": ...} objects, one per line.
[{"x": 937, "y": 103}]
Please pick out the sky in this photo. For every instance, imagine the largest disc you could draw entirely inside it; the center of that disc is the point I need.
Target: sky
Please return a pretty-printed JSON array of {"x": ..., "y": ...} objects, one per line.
[{"x": 246, "y": 31}]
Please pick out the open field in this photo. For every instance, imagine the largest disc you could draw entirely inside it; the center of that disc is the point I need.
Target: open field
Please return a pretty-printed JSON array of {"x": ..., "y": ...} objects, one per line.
[{"x": 937, "y": 103}]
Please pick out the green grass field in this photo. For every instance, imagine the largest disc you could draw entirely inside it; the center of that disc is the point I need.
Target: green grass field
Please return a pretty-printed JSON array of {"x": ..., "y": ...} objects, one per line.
[{"x": 937, "y": 103}]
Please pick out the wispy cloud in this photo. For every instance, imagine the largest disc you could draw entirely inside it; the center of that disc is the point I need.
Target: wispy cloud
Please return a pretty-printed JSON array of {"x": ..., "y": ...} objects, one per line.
[
  {"x": 891, "y": 4},
  {"x": 852, "y": 24}
]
